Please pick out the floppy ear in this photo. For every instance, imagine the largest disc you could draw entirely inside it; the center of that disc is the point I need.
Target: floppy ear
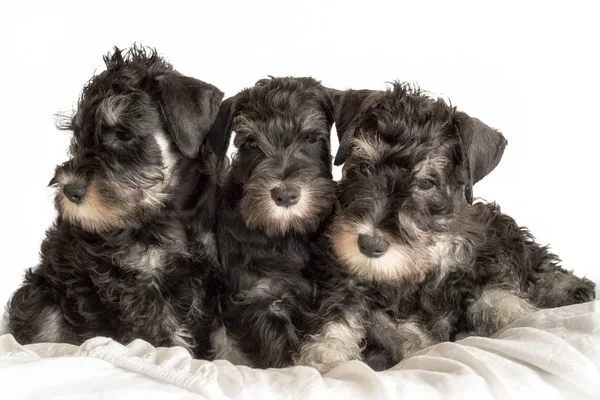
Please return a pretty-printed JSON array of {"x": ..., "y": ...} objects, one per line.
[
  {"x": 189, "y": 108},
  {"x": 482, "y": 149},
  {"x": 219, "y": 135},
  {"x": 346, "y": 105}
]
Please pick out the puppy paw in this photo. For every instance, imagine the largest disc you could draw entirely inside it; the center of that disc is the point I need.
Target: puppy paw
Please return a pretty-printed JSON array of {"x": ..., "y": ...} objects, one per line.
[
  {"x": 415, "y": 338},
  {"x": 334, "y": 345},
  {"x": 464, "y": 334},
  {"x": 497, "y": 308},
  {"x": 561, "y": 288},
  {"x": 326, "y": 355},
  {"x": 582, "y": 292}
]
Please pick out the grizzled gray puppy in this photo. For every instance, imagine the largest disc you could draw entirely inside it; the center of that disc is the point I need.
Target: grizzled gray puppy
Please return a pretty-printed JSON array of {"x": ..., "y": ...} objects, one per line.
[
  {"x": 129, "y": 254},
  {"x": 278, "y": 194},
  {"x": 409, "y": 259}
]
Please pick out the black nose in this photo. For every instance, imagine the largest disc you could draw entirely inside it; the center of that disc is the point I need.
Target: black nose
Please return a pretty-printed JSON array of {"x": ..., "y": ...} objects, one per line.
[
  {"x": 372, "y": 246},
  {"x": 74, "y": 192},
  {"x": 286, "y": 195}
]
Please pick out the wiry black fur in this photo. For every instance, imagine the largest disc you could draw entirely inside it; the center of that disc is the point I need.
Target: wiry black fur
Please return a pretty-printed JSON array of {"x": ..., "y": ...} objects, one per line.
[
  {"x": 458, "y": 268},
  {"x": 130, "y": 260},
  {"x": 282, "y": 130}
]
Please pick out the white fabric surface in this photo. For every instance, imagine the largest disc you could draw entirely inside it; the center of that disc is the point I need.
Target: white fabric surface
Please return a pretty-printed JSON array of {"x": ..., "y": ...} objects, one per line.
[{"x": 553, "y": 354}]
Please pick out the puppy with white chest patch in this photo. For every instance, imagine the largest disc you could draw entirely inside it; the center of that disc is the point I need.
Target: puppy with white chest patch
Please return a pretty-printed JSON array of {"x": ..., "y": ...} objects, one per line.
[
  {"x": 409, "y": 259},
  {"x": 278, "y": 194},
  {"x": 130, "y": 251}
]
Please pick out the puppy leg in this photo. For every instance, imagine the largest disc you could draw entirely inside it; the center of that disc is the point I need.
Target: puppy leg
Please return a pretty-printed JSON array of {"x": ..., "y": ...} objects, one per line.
[
  {"x": 495, "y": 309},
  {"x": 336, "y": 342},
  {"x": 340, "y": 331},
  {"x": 227, "y": 348},
  {"x": 33, "y": 318},
  {"x": 558, "y": 287},
  {"x": 266, "y": 334},
  {"x": 181, "y": 335},
  {"x": 149, "y": 316},
  {"x": 550, "y": 285},
  {"x": 402, "y": 338},
  {"x": 264, "y": 320},
  {"x": 443, "y": 327}
]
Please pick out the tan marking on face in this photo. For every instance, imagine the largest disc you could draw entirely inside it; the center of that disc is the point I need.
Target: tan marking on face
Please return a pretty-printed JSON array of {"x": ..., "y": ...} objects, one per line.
[
  {"x": 92, "y": 214},
  {"x": 95, "y": 215},
  {"x": 396, "y": 264},
  {"x": 400, "y": 262},
  {"x": 299, "y": 210},
  {"x": 260, "y": 211}
]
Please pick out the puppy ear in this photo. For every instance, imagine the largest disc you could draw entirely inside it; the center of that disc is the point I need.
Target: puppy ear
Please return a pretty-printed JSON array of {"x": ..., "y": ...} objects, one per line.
[
  {"x": 220, "y": 134},
  {"x": 482, "y": 149},
  {"x": 189, "y": 108},
  {"x": 346, "y": 106}
]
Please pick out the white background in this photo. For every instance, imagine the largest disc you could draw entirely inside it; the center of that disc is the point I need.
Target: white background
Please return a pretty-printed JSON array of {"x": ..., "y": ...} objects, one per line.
[{"x": 528, "y": 68}]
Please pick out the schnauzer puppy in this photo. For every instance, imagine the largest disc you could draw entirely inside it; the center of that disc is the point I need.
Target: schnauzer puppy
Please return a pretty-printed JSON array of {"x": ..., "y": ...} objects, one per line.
[
  {"x": 409, "y": 260},
  {"x": 134, "y": 239},
  {"x": 278, "y": 193}
]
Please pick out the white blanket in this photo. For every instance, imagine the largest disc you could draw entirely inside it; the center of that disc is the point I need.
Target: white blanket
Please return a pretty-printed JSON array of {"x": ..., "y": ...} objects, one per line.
[{"x": 549, "y": 355}]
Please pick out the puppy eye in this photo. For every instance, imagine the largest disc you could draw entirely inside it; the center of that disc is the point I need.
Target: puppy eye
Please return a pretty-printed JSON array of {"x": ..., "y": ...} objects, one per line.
[
  {"x": 122, "y": 134},
  {"x": 364, "y": 167},
  {"x": 426, "y": 184},
  {"x": 311, "y": 138},
  {"x": 251, "y": 144}
]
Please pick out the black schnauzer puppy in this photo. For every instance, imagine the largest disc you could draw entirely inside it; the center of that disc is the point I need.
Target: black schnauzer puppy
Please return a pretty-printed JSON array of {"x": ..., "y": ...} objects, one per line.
[
  {"x": 409, "y": 259},
  {"x": 278, "y": 193},
  {"x": 134, "y": 239}
]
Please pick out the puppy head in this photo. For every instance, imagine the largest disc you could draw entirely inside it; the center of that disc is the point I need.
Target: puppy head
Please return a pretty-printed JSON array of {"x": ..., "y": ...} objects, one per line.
[
  {"x": 409, "y": 165},
  {"x": 135, "y": 122},
  {"x": 283, "y": 160}
]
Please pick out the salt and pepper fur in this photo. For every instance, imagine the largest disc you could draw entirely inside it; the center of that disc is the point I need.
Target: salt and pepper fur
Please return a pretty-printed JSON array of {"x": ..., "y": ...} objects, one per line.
[
  {"x": 282, "y": 128},
  {"x": 452, "y": 266},
  {"x": 128, "y": 261},
  {"x": 158, "y": 249}
]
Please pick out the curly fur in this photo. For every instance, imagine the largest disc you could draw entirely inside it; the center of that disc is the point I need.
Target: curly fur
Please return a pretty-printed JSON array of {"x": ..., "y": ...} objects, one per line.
[
  {"x": 451, "y": 266},
  {"x": 131, "y": 258},
  {"x": 282, "y": 130}
]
